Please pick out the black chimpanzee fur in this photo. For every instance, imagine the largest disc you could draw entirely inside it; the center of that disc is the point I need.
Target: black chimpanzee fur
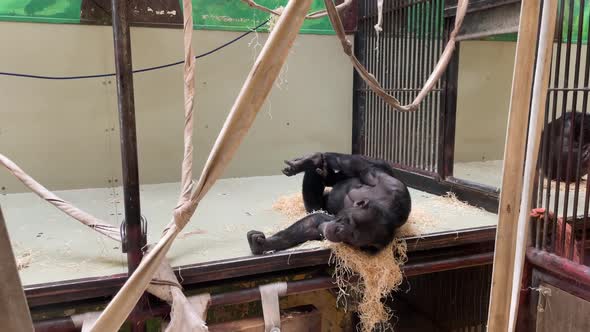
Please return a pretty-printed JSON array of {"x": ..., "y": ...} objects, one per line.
[
  {"x": 364, "y": 208},
  {"x": 566, "y": 131}
]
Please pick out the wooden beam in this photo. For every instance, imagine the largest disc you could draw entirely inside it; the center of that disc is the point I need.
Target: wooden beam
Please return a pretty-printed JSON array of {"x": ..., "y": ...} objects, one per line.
[
  {"x": 14, "y": 311},
  {"x": 536, "y": 122},
  {"x": 512, "y": 179}
]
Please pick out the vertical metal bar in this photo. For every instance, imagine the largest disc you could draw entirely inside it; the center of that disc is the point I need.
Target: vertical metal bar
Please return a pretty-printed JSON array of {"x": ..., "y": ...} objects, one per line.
[
  {"x": 566, "y": 75},
  {"x": 432, "y": 96},
  {"x": 126, "y": 106},
  {"x": 414, "y": 78},
  {"x": 371, "y": 66},
  {"x": 380, "y": 73},
  {"x": 418, "y": 63},
  {"x": 397, "y": 74},
  {"x": 451, "y": 83},
  {"x": 427, "y": 44},
  {"x": 404, "y": 80},
  {"x": 581, "y": 137},
  {"x": 444, "y": 114},
  {"x": 392, "y": 70},
  {"x": 359, "y": 101},
  {"x": 439, "y": 96},
  {"x": 388, "y": 34},
  {"x": 544, "y": 168},
  {"x": 584, "y": 108},
  {"x": 547, "y": 138},
  {"x": 559, "y": 34},
  {"x": 423, "y": 11},
  {"x": 370, "y": 95},
  {"x": 404, "y": 83},
  {"x": 390, "y": 74}
]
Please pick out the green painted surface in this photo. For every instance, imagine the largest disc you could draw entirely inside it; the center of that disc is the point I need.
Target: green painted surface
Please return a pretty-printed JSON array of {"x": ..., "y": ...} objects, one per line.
[
  {"x": 234, "y": 15},
  {"x": 207, "y": 14},
  {"x": 569, "y": 13},
  {"x": 47, "y": 11}
]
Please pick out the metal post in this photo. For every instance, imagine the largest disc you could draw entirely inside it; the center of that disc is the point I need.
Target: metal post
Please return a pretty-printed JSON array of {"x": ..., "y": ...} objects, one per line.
[
  {"x": 126, "y": 105},
  {"x": 128, "y": 136},
  {"x": 448, "y": 115},
  {"x": 359, "y": 94}
]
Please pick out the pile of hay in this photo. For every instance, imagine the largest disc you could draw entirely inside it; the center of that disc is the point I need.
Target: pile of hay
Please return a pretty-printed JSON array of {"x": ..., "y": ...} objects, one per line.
[{"x": 365, "y": 279}]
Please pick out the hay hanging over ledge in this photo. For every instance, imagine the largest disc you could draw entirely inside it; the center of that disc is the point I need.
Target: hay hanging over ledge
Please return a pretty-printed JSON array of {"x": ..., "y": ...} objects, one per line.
[
  {"x": 364, "y": 280},
  {"x": 377, "y": 277}
]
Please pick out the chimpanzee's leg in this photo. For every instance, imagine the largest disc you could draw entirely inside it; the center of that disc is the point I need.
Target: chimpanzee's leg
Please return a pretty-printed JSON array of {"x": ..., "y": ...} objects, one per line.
[
  {"x": 313, "y": 191},
  {"x": 306, "y": 229},
  {"x": 336, "y": 167}
]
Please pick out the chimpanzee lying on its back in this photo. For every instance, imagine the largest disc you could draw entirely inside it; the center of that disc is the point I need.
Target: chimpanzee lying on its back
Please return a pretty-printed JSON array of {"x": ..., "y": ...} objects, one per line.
[{"x": 364, "y": 208}]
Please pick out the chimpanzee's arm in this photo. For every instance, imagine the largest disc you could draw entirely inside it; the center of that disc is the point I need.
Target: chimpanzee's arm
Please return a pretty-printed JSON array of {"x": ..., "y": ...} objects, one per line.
[{"x": 306, "y": 229}]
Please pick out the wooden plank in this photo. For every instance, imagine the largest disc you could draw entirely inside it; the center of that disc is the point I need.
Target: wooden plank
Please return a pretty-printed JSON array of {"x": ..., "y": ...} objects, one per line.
[
  {"x": 512, "y": 179},
  {"x": 14, "y": 311},
  {"x": 299, "y": 319},
  {"x": 536, "y": 122}
]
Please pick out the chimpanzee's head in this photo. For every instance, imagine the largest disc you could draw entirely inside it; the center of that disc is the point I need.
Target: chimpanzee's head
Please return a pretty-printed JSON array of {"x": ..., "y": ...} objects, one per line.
[{"x": 362, "y": 226}]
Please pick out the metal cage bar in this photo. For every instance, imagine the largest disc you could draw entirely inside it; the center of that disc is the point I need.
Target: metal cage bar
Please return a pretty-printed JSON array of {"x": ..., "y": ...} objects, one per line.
[
  {"x": 564, "y": 156},
  {"x": 401, "y": 57}
]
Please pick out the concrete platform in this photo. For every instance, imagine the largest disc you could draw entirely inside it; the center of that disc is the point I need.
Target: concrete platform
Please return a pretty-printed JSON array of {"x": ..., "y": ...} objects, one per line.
[{"x": 62, "y": 249}]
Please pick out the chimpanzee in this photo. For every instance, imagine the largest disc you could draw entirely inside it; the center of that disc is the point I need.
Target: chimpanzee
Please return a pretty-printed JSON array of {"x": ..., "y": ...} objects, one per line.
[
  {"x": 561, "y": 129},
  {"x": 365, "y": 206}
]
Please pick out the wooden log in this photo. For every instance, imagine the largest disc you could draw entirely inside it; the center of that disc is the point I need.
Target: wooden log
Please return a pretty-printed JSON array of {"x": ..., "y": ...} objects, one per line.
[{"x": 14, "y": 311}]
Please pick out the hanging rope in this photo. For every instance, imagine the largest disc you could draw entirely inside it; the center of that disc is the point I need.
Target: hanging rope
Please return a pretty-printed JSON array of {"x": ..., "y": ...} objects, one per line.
[
  {"x": 374, "y": 85},
  {"x": 189, "y": 97},
  {"x": 65, "y": 206},
  {"x": 372, "y": 82}
]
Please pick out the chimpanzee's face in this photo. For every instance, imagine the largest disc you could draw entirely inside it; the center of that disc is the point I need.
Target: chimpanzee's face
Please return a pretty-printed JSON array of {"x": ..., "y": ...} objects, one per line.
[{"x": 359, "y": 226}]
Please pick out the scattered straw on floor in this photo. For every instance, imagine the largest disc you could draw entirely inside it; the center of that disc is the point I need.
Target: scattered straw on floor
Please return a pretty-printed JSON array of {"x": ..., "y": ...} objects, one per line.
[
  {"x": 563, "y": 186},
  {"x": 450, "y": 200},
  {"x": 419, "y": 222},
  {"x": 24, "y": 259},
  {"x": 291, "y": 206}
]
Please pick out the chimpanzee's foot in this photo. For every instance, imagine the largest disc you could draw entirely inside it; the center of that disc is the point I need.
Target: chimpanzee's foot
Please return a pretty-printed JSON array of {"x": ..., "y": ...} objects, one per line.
[
  {"x": 298, "y": 165},
  {"x": 256, "y": 240}
]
